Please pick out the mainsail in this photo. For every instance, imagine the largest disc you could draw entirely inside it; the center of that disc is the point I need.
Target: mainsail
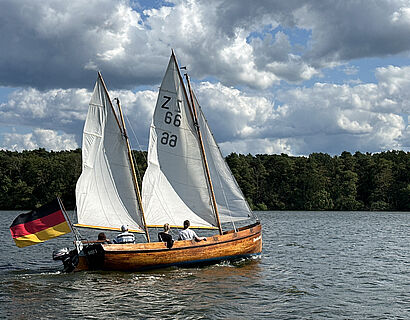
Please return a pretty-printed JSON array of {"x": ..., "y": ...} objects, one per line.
[
  {"x": 175, "y": 187},
  {"x": 105, "y": 192}
]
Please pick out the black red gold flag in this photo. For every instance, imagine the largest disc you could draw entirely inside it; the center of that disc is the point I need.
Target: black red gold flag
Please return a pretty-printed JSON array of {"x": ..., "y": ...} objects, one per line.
[{"x": 39, "y": 225}]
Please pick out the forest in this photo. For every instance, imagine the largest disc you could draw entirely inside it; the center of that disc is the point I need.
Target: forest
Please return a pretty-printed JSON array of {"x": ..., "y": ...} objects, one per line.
[{"x": 362, "y": 181}]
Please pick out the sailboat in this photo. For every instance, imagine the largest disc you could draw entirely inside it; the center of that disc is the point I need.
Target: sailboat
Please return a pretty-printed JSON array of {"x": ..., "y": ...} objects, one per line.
[{"x": 187, "y": 178}]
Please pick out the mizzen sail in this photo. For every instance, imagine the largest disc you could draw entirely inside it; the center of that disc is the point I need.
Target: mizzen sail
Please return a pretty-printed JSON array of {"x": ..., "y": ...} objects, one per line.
[
  {"x": 231, "y": 203},
  {"x": 105, "y": 193}
]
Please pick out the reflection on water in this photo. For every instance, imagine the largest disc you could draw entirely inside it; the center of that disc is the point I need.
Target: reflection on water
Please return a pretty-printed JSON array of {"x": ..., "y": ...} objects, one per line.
[{"x": 314, "y": 265}]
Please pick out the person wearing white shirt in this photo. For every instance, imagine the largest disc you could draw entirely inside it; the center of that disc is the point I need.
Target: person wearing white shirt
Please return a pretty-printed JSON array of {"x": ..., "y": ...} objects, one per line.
[
  {"x": 125, "y": 236},
  {"x": 188, "y": 234}
]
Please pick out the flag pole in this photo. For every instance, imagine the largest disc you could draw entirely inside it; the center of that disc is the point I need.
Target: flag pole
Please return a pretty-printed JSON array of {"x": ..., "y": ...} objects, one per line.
[{"x": 60, "y": 203}]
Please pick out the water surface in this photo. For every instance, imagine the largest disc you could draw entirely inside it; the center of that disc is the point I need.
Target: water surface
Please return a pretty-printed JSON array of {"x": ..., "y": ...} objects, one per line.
[{"x": 314, "y": 265}]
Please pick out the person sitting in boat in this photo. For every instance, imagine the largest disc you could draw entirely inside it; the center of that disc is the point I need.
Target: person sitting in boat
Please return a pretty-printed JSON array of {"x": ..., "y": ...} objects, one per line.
[
  {"x": 164, "y": 236},
  {"x": 188, "y": 234},
  {"x": 102, "y": 238},
  {"x": 125, "y": 236}
]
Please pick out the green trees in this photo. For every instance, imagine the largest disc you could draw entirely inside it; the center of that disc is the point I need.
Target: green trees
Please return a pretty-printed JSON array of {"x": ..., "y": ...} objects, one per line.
[
  {"x": 269, "y": 182},
  {"x": 346, "y": 183},
  {"x": 31, "y": 178},
  {"x": 320, "y": 182}
]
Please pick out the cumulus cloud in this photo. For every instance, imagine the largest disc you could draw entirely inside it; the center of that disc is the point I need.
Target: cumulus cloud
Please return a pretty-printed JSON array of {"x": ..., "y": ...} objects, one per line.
[
  {"x": 395, "y": 83},
  {"x": 247, "y": 114},
  {"x": 56, "y": 109},
  {"x": 60, "y": 45},
  {"x": 250, "y": 57},
  {"x": 64, "y": 111},
  {"x": 334, "y": 118},
  {"x": 341, "y": 32},
  {"x": 259, "y": 146},
  {"x": 325, "y": 118},
  {"x": 39, "y": 138},
  {"x": 57, "y": 44}
]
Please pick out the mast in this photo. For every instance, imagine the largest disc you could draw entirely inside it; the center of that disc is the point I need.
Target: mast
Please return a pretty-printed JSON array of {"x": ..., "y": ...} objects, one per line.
[
  {"x": 192, "y": 111},
  {"x": 134, "y": 177},
  {"x": 208, "y": 176}
]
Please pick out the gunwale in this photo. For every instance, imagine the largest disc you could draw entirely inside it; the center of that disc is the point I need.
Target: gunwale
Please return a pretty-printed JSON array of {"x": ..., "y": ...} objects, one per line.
[{"x": 178, "y": 245}]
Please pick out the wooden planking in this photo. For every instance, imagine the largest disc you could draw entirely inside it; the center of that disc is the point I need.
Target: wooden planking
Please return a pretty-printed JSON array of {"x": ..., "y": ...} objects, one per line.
[{"x": 155, "y": 254}]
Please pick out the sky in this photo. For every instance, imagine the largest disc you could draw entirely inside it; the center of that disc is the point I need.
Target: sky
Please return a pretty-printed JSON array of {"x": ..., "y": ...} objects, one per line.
[{"x": 272, "y": 76}]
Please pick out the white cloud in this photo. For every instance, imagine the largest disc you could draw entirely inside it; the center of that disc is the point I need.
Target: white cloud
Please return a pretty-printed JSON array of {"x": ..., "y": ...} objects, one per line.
[
  {"x": 137, "y": 108},
  {"x": 401, "y": 16},
  {"x": 53, "y": 109},
  {"x": 353, "y": 126},
  {"x": 65, "y": 111},
  {"x": 325, "y": 118},
  {"x": 233, "y": 114},
  {"x": 395, "y": 85},
  {"x": 364, "y": 117},
  {"x": 351, "y": 70},
  {"x": 244, "y": 49},
  {"x": 59, "y": 44},
  {"x": 258, "y": 146},
  {"x": 39, "y": 138}
]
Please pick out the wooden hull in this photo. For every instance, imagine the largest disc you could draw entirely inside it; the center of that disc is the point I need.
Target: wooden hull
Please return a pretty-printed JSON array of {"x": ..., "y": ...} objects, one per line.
[{"x": 246, "y": 242}]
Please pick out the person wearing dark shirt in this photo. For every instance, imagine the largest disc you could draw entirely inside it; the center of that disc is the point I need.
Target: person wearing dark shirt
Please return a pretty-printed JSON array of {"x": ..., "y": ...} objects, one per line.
[
  {"x": 164, "y": 236},
  {"x": 102, "y": 238}
]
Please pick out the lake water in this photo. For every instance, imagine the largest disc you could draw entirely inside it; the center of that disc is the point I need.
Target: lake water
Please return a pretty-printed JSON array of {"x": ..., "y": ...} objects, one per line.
[{"x": 314, "y": 265}]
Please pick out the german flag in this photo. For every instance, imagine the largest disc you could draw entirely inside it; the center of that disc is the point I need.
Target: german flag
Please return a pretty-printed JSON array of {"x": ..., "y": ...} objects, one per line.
[{"x": 39, "y": 225}]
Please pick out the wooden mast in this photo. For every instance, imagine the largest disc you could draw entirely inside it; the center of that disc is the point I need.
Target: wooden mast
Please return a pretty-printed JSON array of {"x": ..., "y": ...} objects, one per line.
[
  {"x": 208, "y": 175},
  {"x": 195, "y": 119},
  {"x": 134, "y": 176}
]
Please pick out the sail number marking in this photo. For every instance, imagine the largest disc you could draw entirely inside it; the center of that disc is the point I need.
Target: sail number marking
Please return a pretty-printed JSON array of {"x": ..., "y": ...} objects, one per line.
[
  {"x": 168, "y": 99},
  {"x": 168, "y": 119},
  {"x": 168, "y": 139},
  {"x": 178, "y": 105},
  {"x": 171, "y": 118},
  {"x": 164, "y": 105}
]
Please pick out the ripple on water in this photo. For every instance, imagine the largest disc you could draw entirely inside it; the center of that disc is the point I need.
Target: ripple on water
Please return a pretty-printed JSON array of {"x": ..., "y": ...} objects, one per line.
[{"x": 315, "y": 265}]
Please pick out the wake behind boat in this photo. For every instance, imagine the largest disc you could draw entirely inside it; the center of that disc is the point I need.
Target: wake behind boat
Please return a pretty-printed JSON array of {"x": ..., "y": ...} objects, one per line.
[{"x": 187, "y": 178}]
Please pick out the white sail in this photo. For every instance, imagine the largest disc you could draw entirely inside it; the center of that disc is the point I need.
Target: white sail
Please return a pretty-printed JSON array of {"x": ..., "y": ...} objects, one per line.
[
  {"x": 230, "y": 201},
  {"x": 105, "y": 193},
  {"x": 174, "y": 187}
]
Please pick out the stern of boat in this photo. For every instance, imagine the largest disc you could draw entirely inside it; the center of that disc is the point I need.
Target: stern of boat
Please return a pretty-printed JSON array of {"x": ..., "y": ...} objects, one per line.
[{"x": 91, "y": 257}]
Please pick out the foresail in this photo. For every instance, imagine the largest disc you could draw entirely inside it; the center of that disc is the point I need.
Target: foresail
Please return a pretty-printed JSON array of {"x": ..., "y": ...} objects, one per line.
[
  {"x": 231, "y": 203},
  {"x": 105, "y": 193},
  {"x": 174, "y": 187}
]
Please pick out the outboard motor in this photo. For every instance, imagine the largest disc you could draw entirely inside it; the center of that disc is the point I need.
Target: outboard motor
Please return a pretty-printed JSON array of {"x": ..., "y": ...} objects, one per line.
[
  {"x": 60, "y": 254},
  {"x": 69, "y": 258}
]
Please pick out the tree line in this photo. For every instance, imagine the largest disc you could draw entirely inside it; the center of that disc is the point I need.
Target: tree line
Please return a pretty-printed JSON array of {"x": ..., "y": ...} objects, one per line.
[{"x": 361, "y": 181}]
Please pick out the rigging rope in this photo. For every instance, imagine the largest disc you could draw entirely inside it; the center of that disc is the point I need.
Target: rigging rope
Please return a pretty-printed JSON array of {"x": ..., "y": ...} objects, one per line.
[{"x": 139, "y": 146}]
